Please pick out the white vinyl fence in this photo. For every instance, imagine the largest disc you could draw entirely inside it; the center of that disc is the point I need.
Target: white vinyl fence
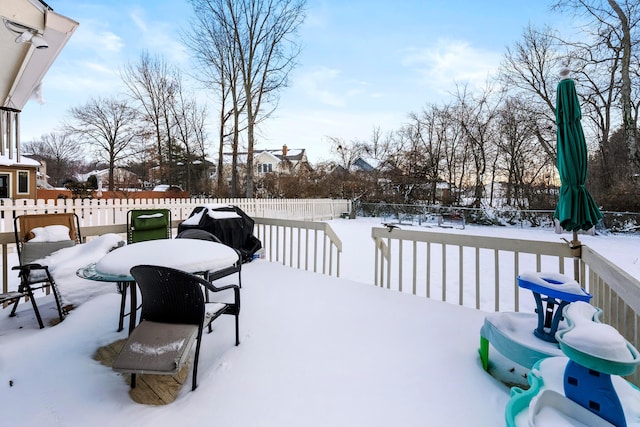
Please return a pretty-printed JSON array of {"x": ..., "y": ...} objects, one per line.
[{"x": 94, "y": 212}]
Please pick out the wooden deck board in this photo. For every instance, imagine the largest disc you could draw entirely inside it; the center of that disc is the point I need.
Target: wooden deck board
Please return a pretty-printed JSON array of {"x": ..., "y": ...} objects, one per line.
[{"x": 150, "y": 389}]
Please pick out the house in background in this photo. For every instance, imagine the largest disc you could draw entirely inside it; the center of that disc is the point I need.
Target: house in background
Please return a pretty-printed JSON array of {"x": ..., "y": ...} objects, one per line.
[
  {"x": 122, "y": 178},
  {"x": 31, "y": 37},
  {"x": 284, "y": 161},
  {"x": 18, "y": 178}
]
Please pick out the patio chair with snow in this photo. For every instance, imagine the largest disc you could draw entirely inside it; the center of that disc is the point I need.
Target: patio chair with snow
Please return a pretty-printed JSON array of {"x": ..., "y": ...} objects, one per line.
[
  {"x": 173, "y": 315},
  {"x": 148, "y": 224},
  {"x": 37, "y": 236},
  {"x": 143, "y": 225}
]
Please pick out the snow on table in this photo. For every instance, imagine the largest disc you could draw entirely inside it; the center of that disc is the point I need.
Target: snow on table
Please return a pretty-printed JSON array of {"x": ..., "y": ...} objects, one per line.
[{"x": 190, "y": 255}]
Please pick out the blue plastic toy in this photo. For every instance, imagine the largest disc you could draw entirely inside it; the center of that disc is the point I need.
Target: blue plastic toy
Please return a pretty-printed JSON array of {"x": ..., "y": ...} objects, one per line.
[
  {"x": 596, "y": 358},
  {"x": 510, "y": 333}
]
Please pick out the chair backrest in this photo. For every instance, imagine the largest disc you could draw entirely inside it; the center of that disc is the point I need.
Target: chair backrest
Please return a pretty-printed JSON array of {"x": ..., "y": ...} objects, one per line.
[
  {"x": 38, "y": 235},
  {"x": 198, "y": 234},
  {"x": 169, "y": 295},
  {"x": 148, "y": 224}
]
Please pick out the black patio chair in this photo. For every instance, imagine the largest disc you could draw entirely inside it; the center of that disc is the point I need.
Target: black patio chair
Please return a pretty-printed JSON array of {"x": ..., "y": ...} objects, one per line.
[
  {"x": 196, "y": 233},
  {"x": 37, "y": 236},
  {"x": 173, "y": 316}
]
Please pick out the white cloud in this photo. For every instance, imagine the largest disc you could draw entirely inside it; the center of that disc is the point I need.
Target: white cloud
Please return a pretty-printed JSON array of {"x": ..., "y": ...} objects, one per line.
[
  {"x": 99, "y": 68},
  {"x": 452, "y": 61},
  {"x": 160, "y": 37},
  {"x": 89, "y": 35},
  {"x": 138, "y": 20},
  {"x": 329, "y": 87},
  {"x": 318, "y": 84}
]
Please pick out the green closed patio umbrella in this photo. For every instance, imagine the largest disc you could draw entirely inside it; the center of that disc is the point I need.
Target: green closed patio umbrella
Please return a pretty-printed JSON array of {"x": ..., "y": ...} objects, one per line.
[{"x": 576, "y": 209}]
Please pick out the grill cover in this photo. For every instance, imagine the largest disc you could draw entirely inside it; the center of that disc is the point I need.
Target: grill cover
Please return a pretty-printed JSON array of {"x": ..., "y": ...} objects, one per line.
[{"x": 229, "y": 224}]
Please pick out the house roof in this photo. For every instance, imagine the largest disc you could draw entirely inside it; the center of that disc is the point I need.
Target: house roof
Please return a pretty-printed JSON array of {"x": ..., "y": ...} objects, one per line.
[
  {"x": 23, "y": 64},
  {"x": 293, "y": 155},
  {"x": 366, "y": 164},
  {"x": 268, "y": 154},
  {"x": 12, "y": 161}
]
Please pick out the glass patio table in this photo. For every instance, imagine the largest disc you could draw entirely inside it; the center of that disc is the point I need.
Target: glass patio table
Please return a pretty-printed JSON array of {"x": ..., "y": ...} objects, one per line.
[{"x": 190, "y": 255}]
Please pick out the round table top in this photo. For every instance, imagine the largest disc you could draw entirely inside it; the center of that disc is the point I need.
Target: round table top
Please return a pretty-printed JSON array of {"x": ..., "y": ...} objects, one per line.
[{"x": 190, "y": 255}]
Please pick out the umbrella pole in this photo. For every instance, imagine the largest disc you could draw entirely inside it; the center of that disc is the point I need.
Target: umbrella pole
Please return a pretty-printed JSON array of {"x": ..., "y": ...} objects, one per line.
[{"x": 576, "y": 249}]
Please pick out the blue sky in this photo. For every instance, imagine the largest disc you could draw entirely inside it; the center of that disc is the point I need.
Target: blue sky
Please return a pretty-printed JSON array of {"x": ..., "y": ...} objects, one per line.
[{"x": 363, "y": 64}]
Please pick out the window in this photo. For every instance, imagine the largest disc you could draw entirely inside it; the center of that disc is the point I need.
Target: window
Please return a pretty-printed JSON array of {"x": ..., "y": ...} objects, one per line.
[
  {"x": 23, "y": 182},
  {"x": 4, "y": 186},
  {"x": 265, "y": 167}
]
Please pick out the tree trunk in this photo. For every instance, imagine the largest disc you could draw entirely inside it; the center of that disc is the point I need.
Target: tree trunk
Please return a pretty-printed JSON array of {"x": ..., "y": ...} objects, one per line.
[{"x": 629, "y": 125}]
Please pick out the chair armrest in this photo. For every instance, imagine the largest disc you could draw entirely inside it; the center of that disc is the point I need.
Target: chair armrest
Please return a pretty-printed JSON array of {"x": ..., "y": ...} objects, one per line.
[
  {"x": 222, "y": 288},
  {"x": 10, "y": 296},
  {"x": 219, "y": 274},
  {"x": 234, "y": 308},
  {"x": 29, "y": 267}
]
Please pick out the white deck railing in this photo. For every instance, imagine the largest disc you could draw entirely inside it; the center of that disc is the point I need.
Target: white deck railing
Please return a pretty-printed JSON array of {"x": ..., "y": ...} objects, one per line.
[
  {"x": 318, "y": 246},
  {"x": 481, "y": 272},
  {"x": 310, "y": 246}
]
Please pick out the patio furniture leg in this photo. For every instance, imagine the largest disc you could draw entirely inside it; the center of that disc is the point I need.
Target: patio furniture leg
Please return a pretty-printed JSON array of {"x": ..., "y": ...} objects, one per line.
[
  {"x": 123, "y": 299},
  {"x": 35, "y": 308},
  {"x": 194, "y": 381},
  {"x": 13, "y": 310},
  {"x": 237, "y": 333},
  {"x": 20, "y": 289},
  {"x": 133, "y": 298},
  {"x": 133, "y": 305},
  {"x": 33, "y": 303}
]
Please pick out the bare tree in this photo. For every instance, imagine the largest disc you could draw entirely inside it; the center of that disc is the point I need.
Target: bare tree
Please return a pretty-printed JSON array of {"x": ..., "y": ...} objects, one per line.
[
  {"x": 476, "y": 115},
  {"x": 347, "y": 152},
  {"x": 189, "y": 121},
  {"x": 454, "y": 156},
  {"x": 518, "y": 154},
  {"x": 614, "y": 26},
  {"x": 152, "y": 83},
  {"x": 59, "y": 150},
  {"x": 215, "y": 51},
  {"x": 424, "y": 156},
  {"x": 529, "y": 70},
  {"x": 261, "y": 34},
  {"x": 109, "y": 125}
]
